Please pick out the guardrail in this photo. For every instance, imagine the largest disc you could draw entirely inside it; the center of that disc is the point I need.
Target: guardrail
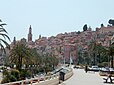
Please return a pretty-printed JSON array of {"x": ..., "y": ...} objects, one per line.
[{"x": 48, "y": 80}]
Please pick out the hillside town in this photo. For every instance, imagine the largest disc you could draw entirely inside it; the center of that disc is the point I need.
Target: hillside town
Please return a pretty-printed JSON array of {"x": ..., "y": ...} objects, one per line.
[
  {"x": 57, "y": 42},
  {"x": 49, "y": 56},
  {"x": 66, "y": 45}
]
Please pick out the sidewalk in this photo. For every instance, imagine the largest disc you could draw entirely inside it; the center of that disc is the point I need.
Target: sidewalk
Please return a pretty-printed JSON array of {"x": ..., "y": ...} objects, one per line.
[
  {"x": 0, "y": 76},
  {"x": 82, "y": 78}
]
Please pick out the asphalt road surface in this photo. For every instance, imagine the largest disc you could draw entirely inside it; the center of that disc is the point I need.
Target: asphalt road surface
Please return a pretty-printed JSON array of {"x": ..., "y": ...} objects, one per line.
[{"x": 81, "y": 78}]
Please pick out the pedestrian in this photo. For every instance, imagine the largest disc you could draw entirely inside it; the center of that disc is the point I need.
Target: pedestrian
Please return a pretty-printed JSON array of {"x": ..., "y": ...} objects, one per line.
[{"x": 109, "y": 76}]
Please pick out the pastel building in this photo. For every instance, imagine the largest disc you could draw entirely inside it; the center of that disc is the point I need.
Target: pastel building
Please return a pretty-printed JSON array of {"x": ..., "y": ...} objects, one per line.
[
  {"x": 105, "y": 29},
  {"x": 70, "y": 52}
]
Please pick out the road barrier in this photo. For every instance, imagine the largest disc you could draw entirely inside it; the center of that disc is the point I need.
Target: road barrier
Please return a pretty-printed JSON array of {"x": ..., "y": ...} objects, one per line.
[{"x": 48, "y": 80}]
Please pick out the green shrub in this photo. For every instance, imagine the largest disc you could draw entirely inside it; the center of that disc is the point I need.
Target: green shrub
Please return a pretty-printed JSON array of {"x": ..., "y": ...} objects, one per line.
[
  {"x": 24, "y": 74},
  {"x": 5, "y": 80},
  {"x": 12, "y": 78},
  {"x": 103, "y": 64},
  {"x": 8, "y": 78},
  {"x": 15, "y": 73},
  {"x": 5, "y": 73}
]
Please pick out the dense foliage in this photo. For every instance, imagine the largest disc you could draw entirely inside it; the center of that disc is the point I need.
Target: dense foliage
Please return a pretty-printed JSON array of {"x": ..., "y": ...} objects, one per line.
[
  {"x": 111, "y": 22},
  {"x": 27, "y": 62}
]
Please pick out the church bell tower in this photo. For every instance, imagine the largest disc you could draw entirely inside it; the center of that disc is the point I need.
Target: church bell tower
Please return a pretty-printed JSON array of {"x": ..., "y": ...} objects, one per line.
[{"x": 30, "y": 34}]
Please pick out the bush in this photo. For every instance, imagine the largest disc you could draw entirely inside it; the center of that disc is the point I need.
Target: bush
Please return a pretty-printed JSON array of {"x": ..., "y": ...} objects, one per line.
[
  {"x": 5, "y": 80},
  {"x": 15, "y": 73},
  {"x": 12, "y": 78},
  {"x": 5, "y": 73},
  {"x": 8, "y": 78},
  {"x": 103, "y": 64},
  {"x": 24, "y": 74}
]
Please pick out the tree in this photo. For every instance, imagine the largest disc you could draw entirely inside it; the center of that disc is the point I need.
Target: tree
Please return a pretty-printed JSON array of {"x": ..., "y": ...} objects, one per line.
[
  {"x": 20, "y": 55},
  {"x": 36, "y": 57},
  {"x": 85, "y": 27},
  {"x": 86, "y": 58},
  {"x": 110, "y": 52},
  {"x": 36, "y": 63},
  {"x": 3, "y": 37},
  {"x": 78, "y": 32},
  {"x": 92, "y": 50},
  {"x": 102, "y": 25},
  {"x": 96, "y": 50},
  {"x": 111, "y": 22},
  {"x": 49, "y": 62}
]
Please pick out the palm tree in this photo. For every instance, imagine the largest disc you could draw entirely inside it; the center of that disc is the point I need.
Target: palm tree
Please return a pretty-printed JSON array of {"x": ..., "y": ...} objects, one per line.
[
  {"x": 96, "y": 50},
  {"x": 110, "y": 52},
  {"x": 92, "y": 50},
  {"x": 20, "y": 55},
  {"x": 100, "y": 50},
  {"x": 3, "y": 37}
]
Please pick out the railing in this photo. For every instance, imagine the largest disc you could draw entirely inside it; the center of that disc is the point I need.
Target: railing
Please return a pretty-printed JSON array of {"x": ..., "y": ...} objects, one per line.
[
  {"x": 48, "y": 80},
  {"x": 32, "y": 80}
]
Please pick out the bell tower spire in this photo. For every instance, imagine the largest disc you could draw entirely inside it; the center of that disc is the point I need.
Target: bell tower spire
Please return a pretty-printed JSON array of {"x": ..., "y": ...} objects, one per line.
[{"x": 30, "y": 34}]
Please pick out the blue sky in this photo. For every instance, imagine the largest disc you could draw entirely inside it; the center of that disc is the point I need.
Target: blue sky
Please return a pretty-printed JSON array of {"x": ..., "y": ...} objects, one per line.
[{"x": 51, "y": 17}]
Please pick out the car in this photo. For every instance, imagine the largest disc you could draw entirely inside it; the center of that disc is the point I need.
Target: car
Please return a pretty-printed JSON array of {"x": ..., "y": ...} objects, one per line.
[
  {"x": 94, "y": 68},
  {"x": 78, "y": 67},
  {"x": 111, "y": 69},
  {"x": 105, "y": 70}
]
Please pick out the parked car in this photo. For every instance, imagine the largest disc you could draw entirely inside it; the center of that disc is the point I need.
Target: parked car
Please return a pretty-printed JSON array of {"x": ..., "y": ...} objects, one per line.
[
  {"x": 106, "y": 70},
  {"x": 77, "y": 66},
  {"x": 94, "y": 68}
]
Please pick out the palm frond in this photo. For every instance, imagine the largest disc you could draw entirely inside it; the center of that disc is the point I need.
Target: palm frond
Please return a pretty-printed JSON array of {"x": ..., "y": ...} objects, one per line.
[
  {"x": 5, "y": 36},
  {"x": 1, "y": 25},
  {"x": 7, "y": 45},
  {"x": 3, "y": 30},
  {"x": 2, "y": 48}
]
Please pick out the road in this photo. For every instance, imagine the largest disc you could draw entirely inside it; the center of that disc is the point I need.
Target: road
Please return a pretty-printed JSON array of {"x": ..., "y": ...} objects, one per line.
[{"x": 81, "y": 78}]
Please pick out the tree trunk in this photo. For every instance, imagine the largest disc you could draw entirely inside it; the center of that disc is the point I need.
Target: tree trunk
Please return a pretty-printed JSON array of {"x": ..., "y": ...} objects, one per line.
[
  {"x": 94, "y": 60},
  {"x": 99, "y": 58},
  {"x": 19, "y": 63},
  {"x": 111, "y": 61}
]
